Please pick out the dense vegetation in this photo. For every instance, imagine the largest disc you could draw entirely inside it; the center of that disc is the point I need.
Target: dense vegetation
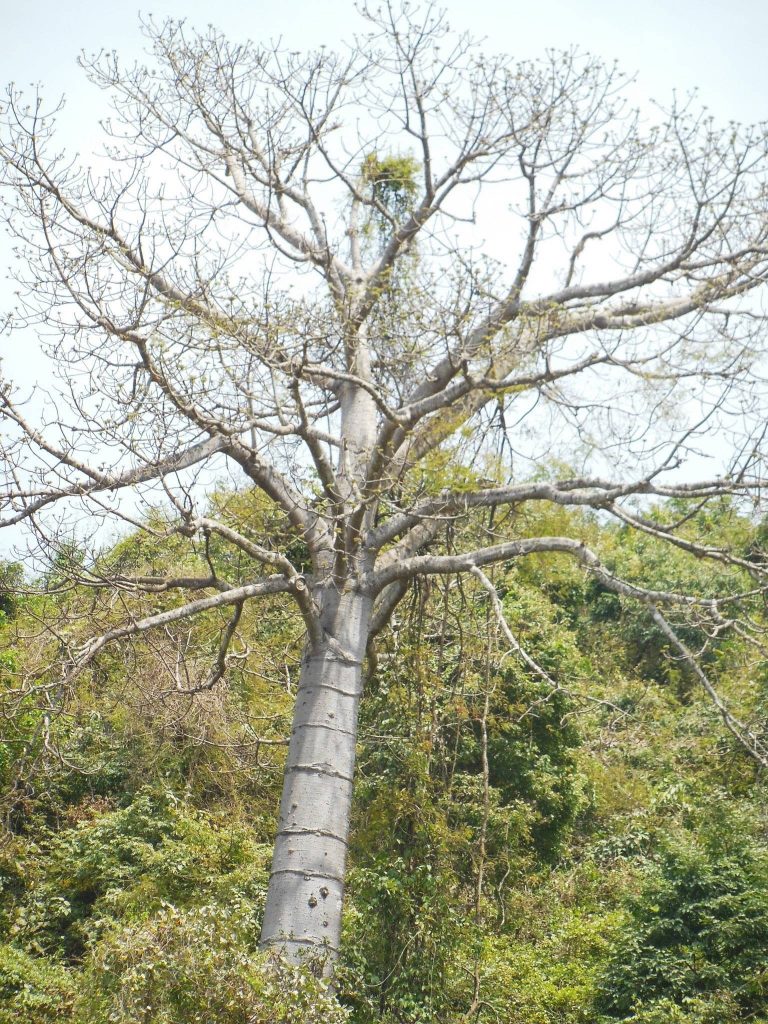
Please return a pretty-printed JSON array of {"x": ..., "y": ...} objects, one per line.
[{"x": 578, "y": 841}]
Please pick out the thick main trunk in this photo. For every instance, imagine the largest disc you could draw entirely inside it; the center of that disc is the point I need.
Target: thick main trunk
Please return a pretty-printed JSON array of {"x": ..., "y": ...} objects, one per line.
[{"x": 306, "y": 887}]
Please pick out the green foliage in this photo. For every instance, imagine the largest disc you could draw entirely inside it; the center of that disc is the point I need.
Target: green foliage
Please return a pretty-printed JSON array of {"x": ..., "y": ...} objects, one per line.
[
  {"x": 33, "y": 990},
  {"x": 198, "y": 966},
  {"x": 11, "y": 578},
  {"x": 554, "y": 978},
  {"x": 698, "y": 931},
  {"x": 393, "y": 186},
  {"x": 407, "y": 913},
  {"x": 427, "y": 816},
  {"x": 130, "y": 861},
  {"x": 69, "y": 559},
  {"x": 534, "y": 731},
  {"x": 578, "y": 843}
]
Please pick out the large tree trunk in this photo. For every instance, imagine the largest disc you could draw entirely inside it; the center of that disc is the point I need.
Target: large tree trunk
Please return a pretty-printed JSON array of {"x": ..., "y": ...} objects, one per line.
[{"x": 306, "y": 887}]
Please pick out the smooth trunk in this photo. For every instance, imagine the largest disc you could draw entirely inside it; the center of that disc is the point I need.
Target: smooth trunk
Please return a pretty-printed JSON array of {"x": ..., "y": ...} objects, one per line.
[{"x": 306, "y": 888}]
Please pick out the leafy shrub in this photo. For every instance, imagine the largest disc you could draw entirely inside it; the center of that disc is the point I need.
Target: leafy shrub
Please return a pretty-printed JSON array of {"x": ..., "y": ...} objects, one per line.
[
  {"x": 131, "y": 861},
  {"x": 720, "y": 1009},
  {"x": 698, "y": 930},
  {"x": 195, "y": 967},
  {"x": 33, "y": 990}
]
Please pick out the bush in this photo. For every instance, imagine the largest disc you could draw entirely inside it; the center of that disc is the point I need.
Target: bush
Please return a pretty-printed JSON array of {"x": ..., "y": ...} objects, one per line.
[
  {"x": 126, "y": 863},
  {"x": 698, "y": 930},
  {"x": 199, "y": 966},
  {"x": 33, "y": 990}
]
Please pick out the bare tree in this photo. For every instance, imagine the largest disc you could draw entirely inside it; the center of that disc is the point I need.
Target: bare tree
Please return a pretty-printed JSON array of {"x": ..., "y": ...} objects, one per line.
[{"x": 386, "y": 287}]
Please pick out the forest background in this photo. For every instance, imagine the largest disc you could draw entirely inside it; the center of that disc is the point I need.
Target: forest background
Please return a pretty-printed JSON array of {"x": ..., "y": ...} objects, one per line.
[{"x": 585, "y": 845}]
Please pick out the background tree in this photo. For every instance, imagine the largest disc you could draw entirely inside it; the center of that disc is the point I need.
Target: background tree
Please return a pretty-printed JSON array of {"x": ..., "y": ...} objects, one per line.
[{"x": 284, "y": 269}]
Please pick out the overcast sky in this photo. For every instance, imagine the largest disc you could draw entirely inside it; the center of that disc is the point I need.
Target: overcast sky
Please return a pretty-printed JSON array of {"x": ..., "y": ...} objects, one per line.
[
  {"x": 680, "y": 45},
  {"x": 719, "y": 48},
  {"x": 684, "y": 45},
  {"x": 716, "y": 48}
]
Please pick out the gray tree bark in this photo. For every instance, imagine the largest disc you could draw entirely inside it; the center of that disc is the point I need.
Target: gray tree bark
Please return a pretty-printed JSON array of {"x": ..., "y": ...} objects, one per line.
[{"x": 306, "y": 888}]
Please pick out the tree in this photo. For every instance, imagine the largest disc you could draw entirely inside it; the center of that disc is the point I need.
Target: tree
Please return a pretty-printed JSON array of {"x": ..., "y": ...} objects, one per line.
[{"x": 283, "y": 270}]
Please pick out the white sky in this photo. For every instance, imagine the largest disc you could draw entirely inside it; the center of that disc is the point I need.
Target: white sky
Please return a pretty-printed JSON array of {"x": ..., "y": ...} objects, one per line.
[{"x": 718, "y": 47}]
